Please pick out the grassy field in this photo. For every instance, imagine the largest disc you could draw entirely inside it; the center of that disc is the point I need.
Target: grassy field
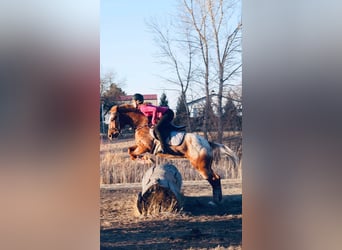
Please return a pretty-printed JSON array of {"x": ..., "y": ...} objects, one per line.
[{"x": 117, "y": 167}]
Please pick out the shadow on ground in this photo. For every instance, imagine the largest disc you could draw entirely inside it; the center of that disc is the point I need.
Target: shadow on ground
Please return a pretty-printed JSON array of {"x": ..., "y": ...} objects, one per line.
[
  {"x": 203, "y": 226},
  {"x": 197, "y": 206}
]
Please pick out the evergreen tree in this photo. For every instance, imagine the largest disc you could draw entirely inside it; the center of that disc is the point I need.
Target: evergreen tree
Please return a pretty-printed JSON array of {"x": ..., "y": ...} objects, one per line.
[
  {"x": 181, "y": 112},
  {"x": 111, "y": 95},
  {"x": 108, "y": 98},
  {"x": 230, "y": 116},
  {"x": 163, "y": 100}
]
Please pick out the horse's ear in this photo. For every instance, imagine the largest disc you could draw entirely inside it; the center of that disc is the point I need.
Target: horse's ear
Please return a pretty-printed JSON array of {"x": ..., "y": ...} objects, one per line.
[{"x": 113, "y": 109}]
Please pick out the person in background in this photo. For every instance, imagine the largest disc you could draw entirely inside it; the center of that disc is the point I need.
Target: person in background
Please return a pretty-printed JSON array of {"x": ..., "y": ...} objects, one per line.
[{"x": 160, "y": 116}]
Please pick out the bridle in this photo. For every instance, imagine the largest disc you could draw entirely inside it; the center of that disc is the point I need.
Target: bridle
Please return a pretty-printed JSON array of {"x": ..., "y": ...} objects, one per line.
[{"x": 114, "y": 124}]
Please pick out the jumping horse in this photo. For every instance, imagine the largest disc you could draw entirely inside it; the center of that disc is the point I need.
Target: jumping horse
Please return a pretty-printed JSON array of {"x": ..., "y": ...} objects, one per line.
[{"x": 195, "y": 148}]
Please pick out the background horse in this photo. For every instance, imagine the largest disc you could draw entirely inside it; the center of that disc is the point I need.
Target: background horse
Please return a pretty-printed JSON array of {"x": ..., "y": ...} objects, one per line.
[{"x": 194, "y": 147}]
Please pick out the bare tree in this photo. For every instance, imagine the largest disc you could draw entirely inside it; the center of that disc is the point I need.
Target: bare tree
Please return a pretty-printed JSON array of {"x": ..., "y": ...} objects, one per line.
[
  {"x": 218, "y": 47},
  {"x": 110, "y": 91},
  {"x": 213, "y": 54},
  {"x": 196, "y": 16},
  {"x": 181, "y": 66},
  {"x": 227, "y": 45}
]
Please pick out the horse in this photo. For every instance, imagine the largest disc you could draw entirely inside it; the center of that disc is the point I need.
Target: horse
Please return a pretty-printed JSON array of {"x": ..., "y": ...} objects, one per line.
[{"x": 194, "y": 147}]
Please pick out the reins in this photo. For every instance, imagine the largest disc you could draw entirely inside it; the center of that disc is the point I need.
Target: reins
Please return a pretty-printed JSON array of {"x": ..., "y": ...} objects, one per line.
[{"x": 127, "y": 109}]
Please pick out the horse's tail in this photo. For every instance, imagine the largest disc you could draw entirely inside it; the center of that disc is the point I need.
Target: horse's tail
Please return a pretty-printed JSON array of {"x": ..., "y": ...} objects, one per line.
[{"x": 227, "y": 151}]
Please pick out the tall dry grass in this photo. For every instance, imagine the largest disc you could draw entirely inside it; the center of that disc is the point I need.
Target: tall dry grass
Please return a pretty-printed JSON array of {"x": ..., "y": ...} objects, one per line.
[{"x": 117, "y": 167}]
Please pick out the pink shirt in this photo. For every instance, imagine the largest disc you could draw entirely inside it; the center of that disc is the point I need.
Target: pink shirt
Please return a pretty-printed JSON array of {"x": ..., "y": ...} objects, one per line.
[{"x": 155, "y": 111}]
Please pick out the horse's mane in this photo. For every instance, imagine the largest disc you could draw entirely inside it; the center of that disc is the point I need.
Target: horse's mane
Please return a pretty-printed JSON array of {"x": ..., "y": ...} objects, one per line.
[
  {"x": 125, "y": 108},
  {"x": 130, "y": 113}
]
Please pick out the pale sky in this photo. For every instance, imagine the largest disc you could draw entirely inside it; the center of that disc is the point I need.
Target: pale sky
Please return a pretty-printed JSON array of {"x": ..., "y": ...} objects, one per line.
[{"x": 127, "y": 47}]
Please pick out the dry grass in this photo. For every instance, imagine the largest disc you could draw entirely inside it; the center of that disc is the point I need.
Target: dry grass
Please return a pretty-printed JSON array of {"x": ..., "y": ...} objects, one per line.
[
  {"x": 158, "y": 200},
  {"x": 117, "y": 167}
]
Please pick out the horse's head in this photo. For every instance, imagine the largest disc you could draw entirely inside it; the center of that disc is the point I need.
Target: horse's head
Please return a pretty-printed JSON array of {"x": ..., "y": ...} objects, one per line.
[
  {"x": 114, "y": 128},
  {"x": 123, "y": 115}
]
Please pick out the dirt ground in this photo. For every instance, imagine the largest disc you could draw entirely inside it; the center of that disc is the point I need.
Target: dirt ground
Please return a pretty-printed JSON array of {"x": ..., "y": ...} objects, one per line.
[{"x": 199, "y": 225}]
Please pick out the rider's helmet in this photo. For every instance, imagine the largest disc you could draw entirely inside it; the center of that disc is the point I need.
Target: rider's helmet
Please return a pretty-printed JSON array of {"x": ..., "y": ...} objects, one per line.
[{"x": 139, "y": 98}]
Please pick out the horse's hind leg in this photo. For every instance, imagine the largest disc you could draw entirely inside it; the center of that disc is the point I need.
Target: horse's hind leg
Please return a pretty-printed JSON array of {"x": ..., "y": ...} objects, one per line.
[
  {"x": 203, "y": 166},
  {"x": 215, "y": 182}
]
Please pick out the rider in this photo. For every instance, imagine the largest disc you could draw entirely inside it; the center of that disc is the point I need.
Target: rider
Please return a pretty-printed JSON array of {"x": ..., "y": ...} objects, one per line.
[{"x": 161, "y": 113}]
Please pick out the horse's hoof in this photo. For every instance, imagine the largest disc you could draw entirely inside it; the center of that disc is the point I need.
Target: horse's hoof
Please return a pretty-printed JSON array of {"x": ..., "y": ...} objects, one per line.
[{"x": 217, "y": 195}]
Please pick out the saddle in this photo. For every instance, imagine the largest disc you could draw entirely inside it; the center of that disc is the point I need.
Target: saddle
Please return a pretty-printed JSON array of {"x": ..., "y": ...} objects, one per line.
[
  {"x": 175, "y": 137},
  {"x": 174, "y": 127}
]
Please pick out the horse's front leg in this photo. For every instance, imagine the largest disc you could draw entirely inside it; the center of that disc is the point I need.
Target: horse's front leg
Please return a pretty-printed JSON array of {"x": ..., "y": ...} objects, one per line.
[{"x": 135, "y": 151}]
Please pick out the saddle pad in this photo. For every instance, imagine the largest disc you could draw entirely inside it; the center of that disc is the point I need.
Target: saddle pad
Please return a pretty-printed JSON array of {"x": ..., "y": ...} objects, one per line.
[{"x": 175, "y": 138}]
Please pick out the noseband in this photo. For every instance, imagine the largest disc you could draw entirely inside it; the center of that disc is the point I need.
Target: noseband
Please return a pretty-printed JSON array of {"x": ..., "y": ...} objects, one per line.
[{"x": 116, "y": 122}]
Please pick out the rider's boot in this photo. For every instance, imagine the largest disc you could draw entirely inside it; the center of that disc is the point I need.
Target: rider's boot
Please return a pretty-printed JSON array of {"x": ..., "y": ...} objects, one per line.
[{"x": 164, "y": 147}]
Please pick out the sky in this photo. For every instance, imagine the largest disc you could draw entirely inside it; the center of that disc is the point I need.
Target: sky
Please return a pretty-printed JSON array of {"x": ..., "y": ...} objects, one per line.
[{"x": 127, "y": 47}]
